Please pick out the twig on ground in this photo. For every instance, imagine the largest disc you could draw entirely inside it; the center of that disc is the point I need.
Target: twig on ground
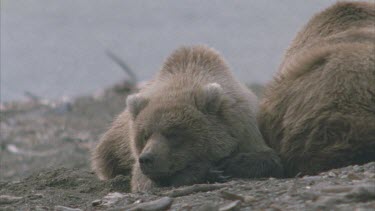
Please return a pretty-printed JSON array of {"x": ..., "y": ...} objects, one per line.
[{"x": 193, "y": 189}]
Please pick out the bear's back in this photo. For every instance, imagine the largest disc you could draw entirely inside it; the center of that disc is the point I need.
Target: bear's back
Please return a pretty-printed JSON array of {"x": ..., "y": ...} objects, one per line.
[
  {"x": 318, "y": 113},
  {"x": 342, "y": 17}
]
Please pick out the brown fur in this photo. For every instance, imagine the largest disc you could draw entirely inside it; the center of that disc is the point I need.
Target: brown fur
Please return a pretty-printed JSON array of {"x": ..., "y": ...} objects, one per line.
[
  {"x": 193, "y": 123},
  {"x": 319, "y": 111}
]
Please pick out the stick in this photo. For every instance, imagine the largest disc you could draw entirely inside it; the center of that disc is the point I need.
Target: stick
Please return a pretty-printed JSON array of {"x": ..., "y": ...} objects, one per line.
[
  {"x": 123, "y": 65},
  {"x": 193, "y": 189}
]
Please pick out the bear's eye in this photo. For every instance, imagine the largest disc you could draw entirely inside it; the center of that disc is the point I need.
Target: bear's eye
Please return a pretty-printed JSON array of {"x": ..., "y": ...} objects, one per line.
[
  {"x": 175, "y": 138},
  {"x": 144, "y": 137},
  {"x": 172, "y": 136}
]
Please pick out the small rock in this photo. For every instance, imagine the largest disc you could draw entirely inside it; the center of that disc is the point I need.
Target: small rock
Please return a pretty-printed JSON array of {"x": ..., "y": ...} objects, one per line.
[
  {"x": 331, "y": 174},
  {"x": 111, "y": 199},
  {"x": 62, "y": 208},
  {"x": 160, "y": 204},
  {"x": 231, "y": 196},
  {"x": 344, "y": 176},
  {"x": 248, "y": 199},
  {"x": 96, "y": 202},
  {"x": 233, "y": 206},
  {"x": 271, "y": 178},
  {"x": 138, "y": 201},
  {"x": 7, "y": 199}
]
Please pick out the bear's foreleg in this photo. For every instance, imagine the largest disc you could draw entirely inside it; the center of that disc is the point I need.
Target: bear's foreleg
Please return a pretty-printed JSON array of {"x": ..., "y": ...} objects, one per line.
[{"x": 253, "y": 165}]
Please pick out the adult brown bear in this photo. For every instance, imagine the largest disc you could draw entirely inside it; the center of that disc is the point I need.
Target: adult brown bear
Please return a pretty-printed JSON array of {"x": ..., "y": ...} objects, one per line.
[
  {"x": 319, "y": 111},
  {"x": 192, "y": 120}
]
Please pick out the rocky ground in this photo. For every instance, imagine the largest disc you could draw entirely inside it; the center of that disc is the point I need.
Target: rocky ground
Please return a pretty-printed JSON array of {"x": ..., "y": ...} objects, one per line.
[{"x": 44, "y": 165}]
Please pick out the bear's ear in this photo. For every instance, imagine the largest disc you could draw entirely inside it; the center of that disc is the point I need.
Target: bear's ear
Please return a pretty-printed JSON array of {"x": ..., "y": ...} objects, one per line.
[
  {"x": 209, "y": 98},
  {"x": 135, "y": 103}
]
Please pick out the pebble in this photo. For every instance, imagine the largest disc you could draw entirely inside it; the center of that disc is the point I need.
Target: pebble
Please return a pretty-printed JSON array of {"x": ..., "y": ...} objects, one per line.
[
  {"x": 111, "y": 199},
  {"x": 271, "y": 178},
  {"x": 344, "y": 176},
  {"x": 156, "y": 205},
  {"x": 233, "y": 206},
  {"x": 311, "y": 178},
  {"x": 62, "y": 208},
  {"x": 7, "y": 199},
  {"x": 96, "y": 202},
  {"x": 331, "y": 174},
  {"x": 249, "y": 199},
  {"x": 138, "y": 201},
  {"x": 231, "y": 196}
]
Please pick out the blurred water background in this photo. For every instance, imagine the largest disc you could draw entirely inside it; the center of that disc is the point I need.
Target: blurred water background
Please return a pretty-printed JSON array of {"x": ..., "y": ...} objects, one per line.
[{"x": 55, "y": 48}]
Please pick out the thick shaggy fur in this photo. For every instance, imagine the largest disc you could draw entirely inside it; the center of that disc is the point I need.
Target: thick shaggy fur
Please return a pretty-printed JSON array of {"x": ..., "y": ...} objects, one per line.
[
  {"x": 319, "y": 111},
  {"x": 193, "y": 123}
]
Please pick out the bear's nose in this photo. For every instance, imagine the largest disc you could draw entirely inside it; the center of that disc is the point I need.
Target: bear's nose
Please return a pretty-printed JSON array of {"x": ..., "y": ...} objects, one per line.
[{"x": 146, "y": 159}]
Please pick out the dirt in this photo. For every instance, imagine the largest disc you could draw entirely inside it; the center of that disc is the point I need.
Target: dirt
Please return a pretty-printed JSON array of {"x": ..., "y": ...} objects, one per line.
[{"x": 44, "y": 165}]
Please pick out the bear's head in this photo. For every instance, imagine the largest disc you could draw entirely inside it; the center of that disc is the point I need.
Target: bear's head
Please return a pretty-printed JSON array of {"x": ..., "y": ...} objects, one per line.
[{"x": 172, "y": 137}]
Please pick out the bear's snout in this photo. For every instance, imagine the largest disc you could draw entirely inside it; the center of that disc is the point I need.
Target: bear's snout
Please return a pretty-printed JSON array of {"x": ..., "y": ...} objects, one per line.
[{"x": 146, "y": 160}]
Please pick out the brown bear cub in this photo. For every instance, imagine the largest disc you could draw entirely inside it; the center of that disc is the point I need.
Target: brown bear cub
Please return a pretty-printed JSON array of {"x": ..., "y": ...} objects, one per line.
[
  {"x": 193, "y": 123},
  {"x": 319, "y": 111}
]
